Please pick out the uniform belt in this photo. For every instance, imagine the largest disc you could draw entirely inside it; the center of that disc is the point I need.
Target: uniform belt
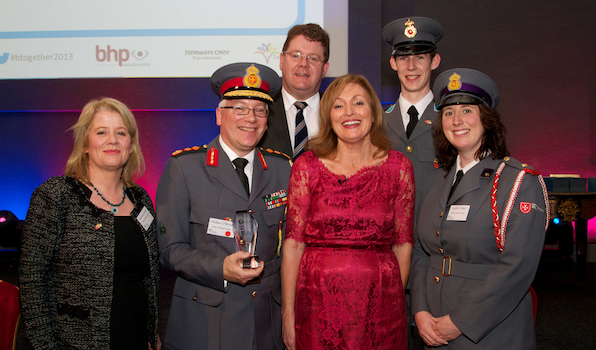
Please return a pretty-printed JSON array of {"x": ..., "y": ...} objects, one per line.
[{"x": 449, "y": 266}]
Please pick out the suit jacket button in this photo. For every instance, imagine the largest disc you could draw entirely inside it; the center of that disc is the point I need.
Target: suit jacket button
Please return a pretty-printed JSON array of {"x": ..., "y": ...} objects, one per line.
[
  {"x": 254, "y": 294},
  {"x": 409, "y": 149},
  {"x": 194, "y": 298},
  {"x": 437, "y": 280},
  {"x": 441, "y": 250},
  {"x": 438, "y": 233}
]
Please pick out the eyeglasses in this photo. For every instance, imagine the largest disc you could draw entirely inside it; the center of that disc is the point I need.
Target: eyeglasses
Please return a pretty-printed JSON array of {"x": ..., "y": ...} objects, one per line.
[
  {"x": 241, "y": 110},
  {"x": 297, "y": 56}
]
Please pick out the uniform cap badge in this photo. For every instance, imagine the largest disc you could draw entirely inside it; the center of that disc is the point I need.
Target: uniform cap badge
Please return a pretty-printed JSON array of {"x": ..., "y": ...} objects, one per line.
[
  {"x": 252, "y": 78},
  {"x": 454, "y": 82},
  {"x": 410, "y": 30}
]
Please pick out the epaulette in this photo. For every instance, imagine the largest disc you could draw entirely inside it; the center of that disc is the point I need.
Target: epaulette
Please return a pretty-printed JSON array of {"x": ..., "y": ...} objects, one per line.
[
  {"x": 193, "y": 149},
  {"x": 277, "y": 153},
  {"x": 516, "y": 163}
]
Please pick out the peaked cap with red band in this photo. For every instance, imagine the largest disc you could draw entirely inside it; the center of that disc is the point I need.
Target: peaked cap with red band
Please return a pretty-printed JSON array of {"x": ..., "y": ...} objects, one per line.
[{"x": 246, "y": 80}]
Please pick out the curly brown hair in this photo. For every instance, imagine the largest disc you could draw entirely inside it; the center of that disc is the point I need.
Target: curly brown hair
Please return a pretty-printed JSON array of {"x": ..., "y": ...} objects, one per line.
[{"x": 493, "y": 140}]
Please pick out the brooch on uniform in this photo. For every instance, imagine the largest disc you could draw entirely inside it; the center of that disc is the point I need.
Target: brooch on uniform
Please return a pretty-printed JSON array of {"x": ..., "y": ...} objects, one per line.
[
  {"x": 487, "y": 172},
  {"x": 276, "y": 199}
]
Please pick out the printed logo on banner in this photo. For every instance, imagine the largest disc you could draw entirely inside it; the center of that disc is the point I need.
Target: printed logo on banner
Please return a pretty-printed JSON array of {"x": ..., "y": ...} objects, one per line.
[
  {"x": 120, "y": 56},
  {"x": 269, "y": 50},
  {"x": 140, "y": 54},
  {"x": 4, "y": 57},
  {"x": 206, "y": 54}
]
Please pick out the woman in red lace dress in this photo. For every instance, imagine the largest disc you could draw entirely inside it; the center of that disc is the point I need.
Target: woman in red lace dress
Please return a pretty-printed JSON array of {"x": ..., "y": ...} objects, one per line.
[{"x": 346, "y": 256}]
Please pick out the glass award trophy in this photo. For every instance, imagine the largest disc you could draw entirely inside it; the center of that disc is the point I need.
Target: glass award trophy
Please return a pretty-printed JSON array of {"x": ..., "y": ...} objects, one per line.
[{"x": 245, "y": 233}]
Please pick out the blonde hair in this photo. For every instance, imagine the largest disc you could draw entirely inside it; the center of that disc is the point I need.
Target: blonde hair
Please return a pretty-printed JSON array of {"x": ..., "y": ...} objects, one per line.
[
  {"x": 77, "y": 165},
  {"x": 324, "y": 145}
]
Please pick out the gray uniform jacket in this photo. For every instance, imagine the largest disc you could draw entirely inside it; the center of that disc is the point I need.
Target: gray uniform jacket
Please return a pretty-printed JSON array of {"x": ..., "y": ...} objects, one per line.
[
  {"x": 67, "y": 267},
  {"x": 419, "y": 148},
  {"x": 486, "y": 293},
  {"x": 204, "y": 314}
]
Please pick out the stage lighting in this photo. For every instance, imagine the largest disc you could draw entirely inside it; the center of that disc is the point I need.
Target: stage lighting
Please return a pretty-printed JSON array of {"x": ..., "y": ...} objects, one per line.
[
  {"x": 9, "y": 229},
  {"x": 556, "y": 221}
]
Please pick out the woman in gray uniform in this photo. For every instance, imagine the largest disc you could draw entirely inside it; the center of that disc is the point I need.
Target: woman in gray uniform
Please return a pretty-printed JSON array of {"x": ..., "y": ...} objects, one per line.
[{"x": 481, "y": 227}]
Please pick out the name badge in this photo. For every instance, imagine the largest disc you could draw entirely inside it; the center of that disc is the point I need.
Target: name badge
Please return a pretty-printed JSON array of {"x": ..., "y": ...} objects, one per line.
[
  {"x": 458, "y": 213},
  {"x": 145, "y": 218},
  {"x": 218, "y": 227}
]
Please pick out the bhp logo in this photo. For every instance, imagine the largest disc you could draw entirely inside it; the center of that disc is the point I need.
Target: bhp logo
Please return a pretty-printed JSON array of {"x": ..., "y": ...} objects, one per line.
[{"x": 109, "y": 55}]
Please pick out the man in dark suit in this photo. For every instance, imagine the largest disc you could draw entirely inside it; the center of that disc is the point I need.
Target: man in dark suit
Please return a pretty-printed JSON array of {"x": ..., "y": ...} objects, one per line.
[
  {"x": 411, "y": 118},
  {"x": 216, "y": 303},
  {"x": 294, "y": 114}
]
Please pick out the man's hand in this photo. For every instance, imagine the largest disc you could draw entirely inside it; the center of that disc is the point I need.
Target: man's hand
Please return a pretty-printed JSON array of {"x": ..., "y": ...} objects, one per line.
[{"x": 233, "y": 271}]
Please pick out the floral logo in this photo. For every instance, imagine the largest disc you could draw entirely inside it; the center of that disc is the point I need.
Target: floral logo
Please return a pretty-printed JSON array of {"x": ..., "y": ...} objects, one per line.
[{"x": 268, "y": 50}]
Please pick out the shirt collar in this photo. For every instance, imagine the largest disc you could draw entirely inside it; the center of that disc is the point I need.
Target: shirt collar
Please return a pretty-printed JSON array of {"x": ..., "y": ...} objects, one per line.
[
  {"x": 421, "y": 105},
  {"x": 232, "y": 155},
  {"x": 312, "y": 102},
  {"x": 467, "y": 167}
]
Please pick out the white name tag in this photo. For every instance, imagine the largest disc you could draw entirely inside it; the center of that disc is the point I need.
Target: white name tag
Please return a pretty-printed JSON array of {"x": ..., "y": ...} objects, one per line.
[
  {"x": 218, "y": 227},
  {"x": 145, "y": 218},
  {"x": 458, "y": 213}
]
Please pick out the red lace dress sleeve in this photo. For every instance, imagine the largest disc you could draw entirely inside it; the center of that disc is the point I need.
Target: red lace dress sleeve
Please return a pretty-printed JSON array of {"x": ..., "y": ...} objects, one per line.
[{"x": 403, "y": 227}]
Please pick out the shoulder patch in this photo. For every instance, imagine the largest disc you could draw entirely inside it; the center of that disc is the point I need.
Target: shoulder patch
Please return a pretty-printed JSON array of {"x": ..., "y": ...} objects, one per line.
[
  {"x": 269, "y": 151},
  {"x": 193, "y": 149},
  {"x": 516, "y": 163}
]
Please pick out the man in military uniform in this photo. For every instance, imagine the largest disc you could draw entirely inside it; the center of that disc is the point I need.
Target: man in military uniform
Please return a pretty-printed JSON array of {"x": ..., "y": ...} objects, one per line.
[
  {"x": 294, "y": 115},
  {"x": 216, "y": 303},
  {"x": 410, "y": 119}
]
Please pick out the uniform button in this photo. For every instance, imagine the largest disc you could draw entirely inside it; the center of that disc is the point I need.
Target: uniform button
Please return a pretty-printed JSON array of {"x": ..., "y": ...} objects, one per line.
[
  {"x": 194, "y": 298},
  {"x": 250, "y": 211},
  {"x": 441, "y": 215},
  {"x": 441, "y": 250},
  {"x": 254, "y": 294},
  {"x": 437, "y": 280},
  {"x": 438, "y": 233},
  {"x": 409, "y": 149}
]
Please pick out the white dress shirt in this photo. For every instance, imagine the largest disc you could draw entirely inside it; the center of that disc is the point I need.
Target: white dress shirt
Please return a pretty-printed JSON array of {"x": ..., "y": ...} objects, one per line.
[
  {"x": 404, "y": 105},
  {"x": 311, "y": 114}
]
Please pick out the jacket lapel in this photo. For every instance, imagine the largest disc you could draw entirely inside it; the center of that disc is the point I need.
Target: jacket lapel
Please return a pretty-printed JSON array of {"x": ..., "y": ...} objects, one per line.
[
  {"x": 225, "y": 172},
  {"x": 260, "y": 178},
  {"x": 395, "y": 122},
  {"x": 471, "y": 180},
  {"x": 279, "y": 124},
  {"x": 425, "y": 122}
]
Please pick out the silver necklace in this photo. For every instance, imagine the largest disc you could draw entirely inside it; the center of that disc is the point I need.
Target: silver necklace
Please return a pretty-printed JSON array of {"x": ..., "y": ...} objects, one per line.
[{"x": 114, "y": 208}]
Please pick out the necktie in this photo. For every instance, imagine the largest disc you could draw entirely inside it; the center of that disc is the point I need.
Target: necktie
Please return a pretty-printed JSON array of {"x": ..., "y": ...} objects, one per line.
[
  {"x": 301, "y": 133},
  {"x": 240, "y": 163},
  {"x": 458, "y": 177},
  {"x": 413, "y": 120}
]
